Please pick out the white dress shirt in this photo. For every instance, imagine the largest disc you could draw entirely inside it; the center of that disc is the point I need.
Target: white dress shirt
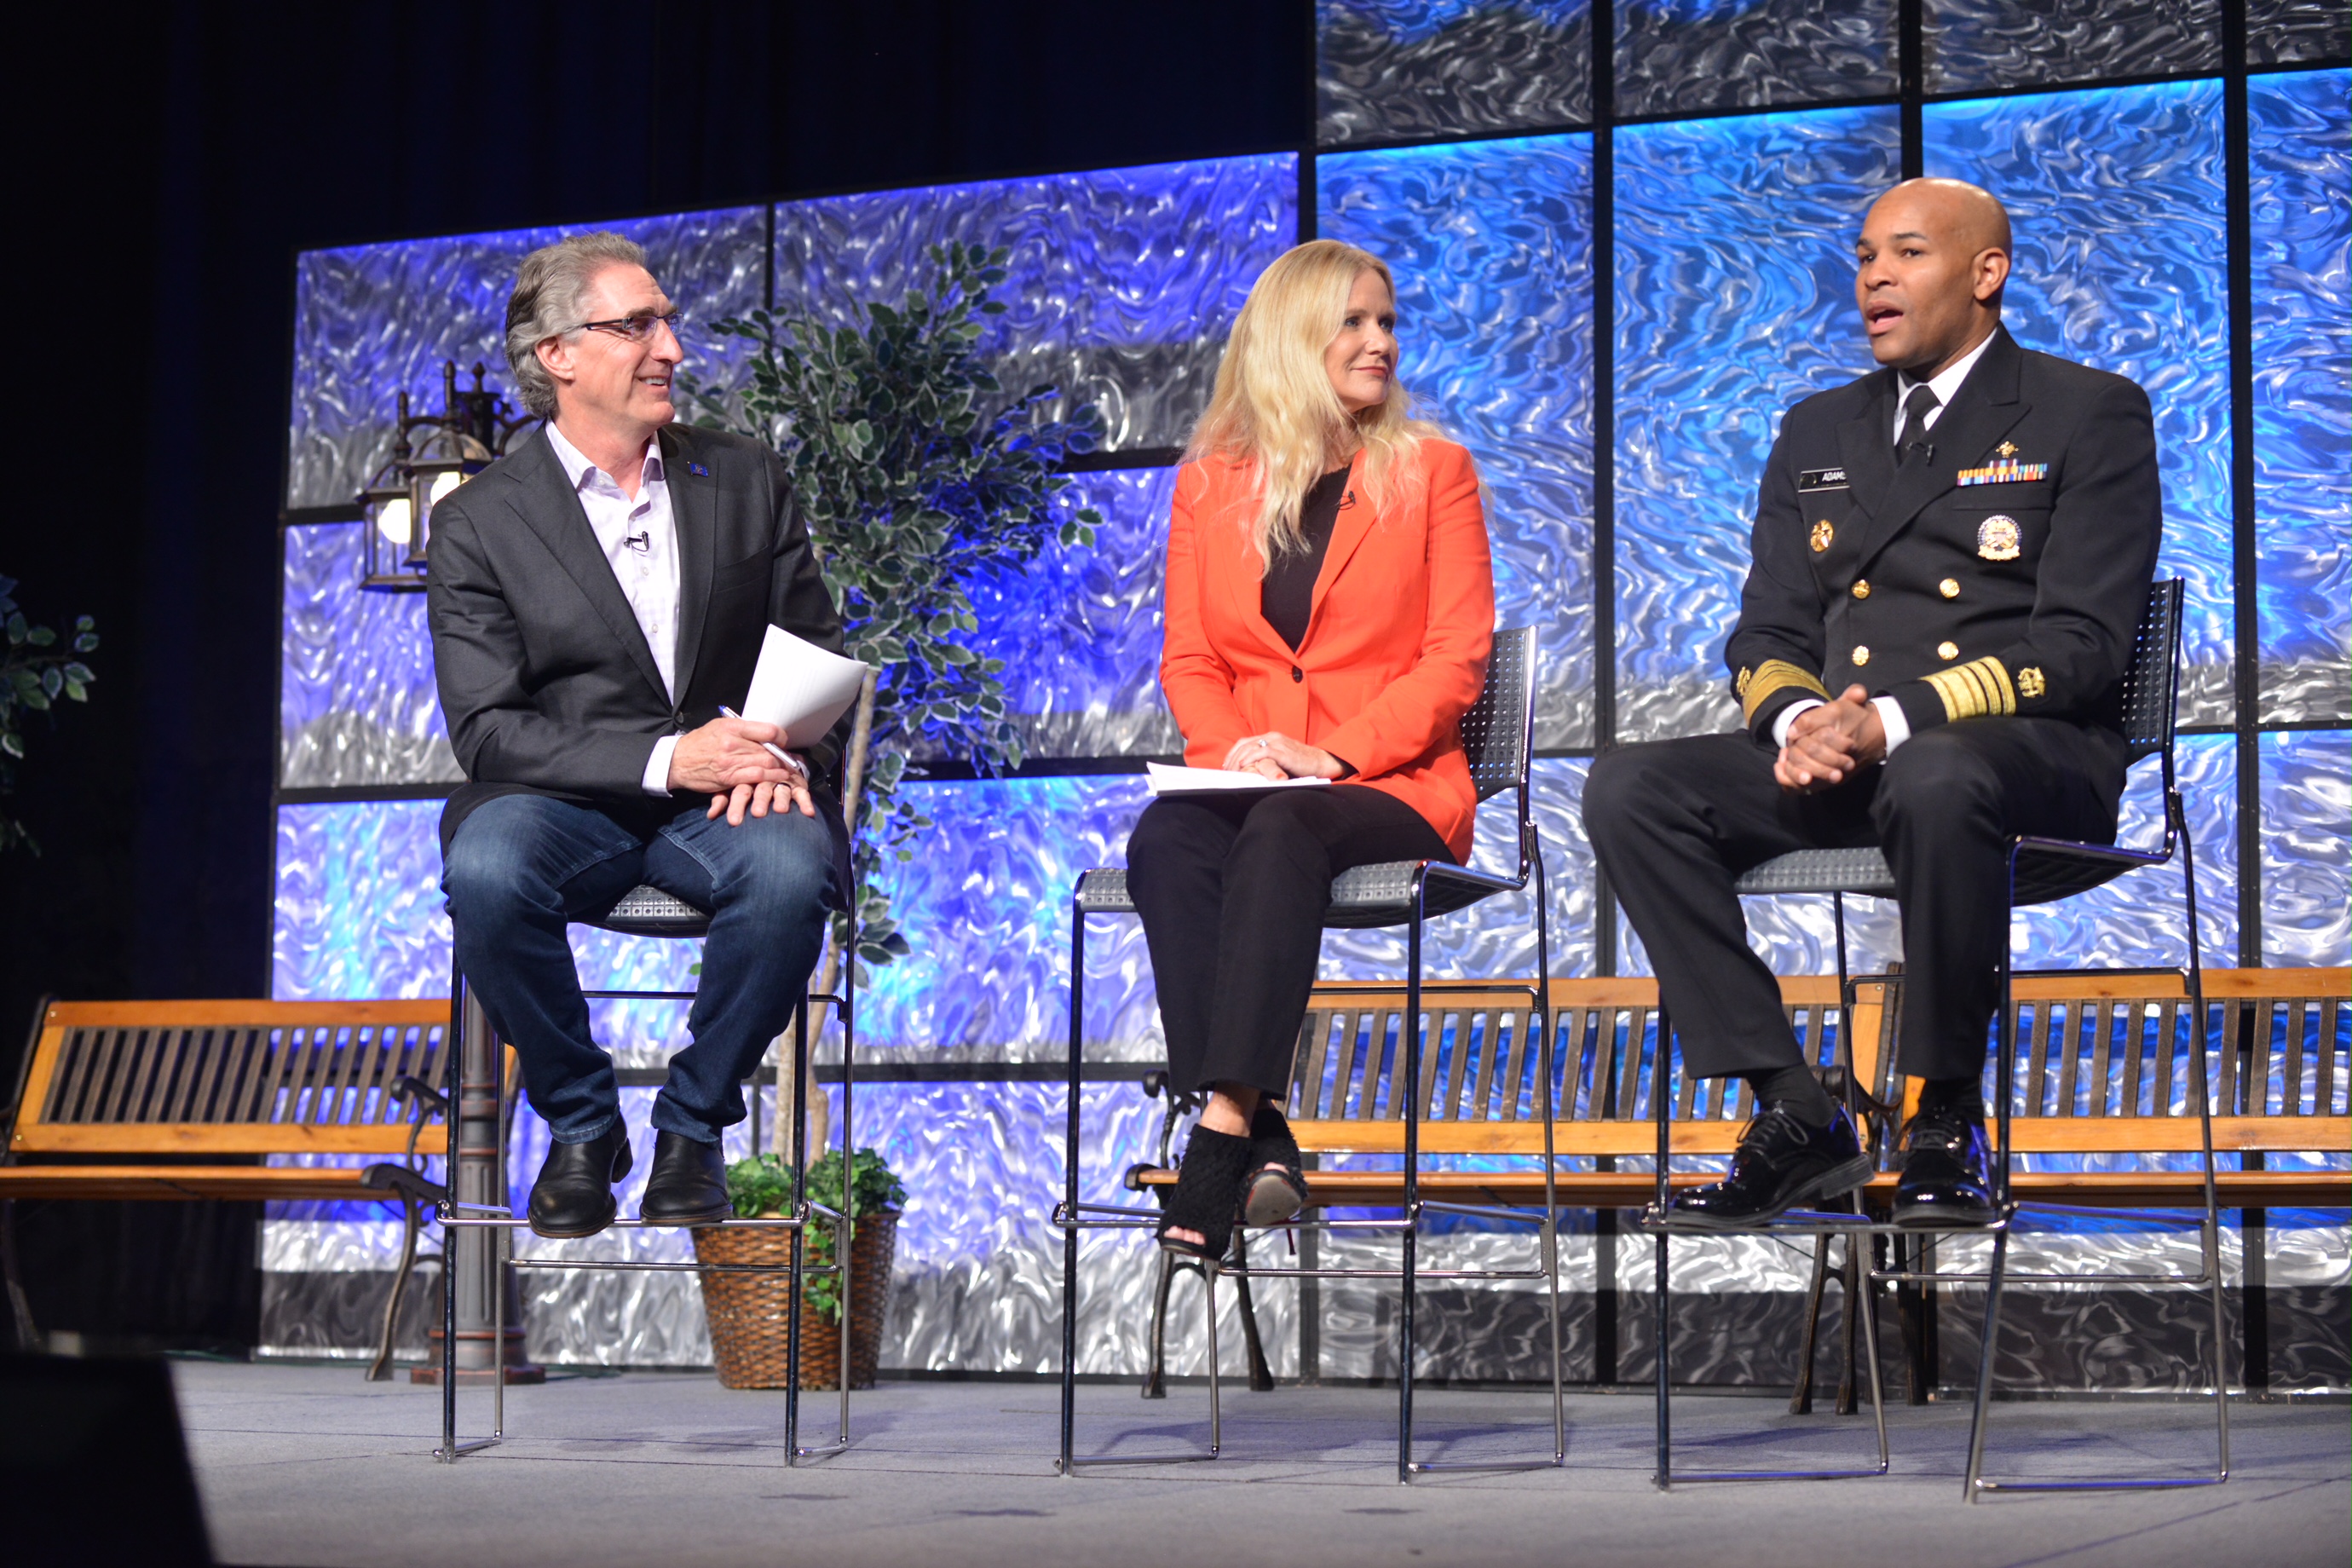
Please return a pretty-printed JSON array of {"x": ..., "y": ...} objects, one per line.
[
  {"x": 1945, "y": 385},
  {"x": 639, "y": 537}
]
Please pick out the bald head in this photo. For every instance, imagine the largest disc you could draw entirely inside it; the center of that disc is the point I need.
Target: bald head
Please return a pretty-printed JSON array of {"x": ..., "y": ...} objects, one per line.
[{"x": 1930, "y": 265}]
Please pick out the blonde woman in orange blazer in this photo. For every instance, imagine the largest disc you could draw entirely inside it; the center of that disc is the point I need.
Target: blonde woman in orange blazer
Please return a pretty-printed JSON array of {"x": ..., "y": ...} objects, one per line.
[{"x": 1330, "y": 607}]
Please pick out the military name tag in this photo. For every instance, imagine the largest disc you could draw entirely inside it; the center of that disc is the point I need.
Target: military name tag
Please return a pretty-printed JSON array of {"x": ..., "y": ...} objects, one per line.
[
  {"x": 2005, "y": 473},
  {"x": 1821, "y": 479}
]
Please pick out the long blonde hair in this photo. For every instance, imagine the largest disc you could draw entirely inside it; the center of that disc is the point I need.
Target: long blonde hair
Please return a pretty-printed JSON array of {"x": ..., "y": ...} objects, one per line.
[{"x": 1273, "y": 405}]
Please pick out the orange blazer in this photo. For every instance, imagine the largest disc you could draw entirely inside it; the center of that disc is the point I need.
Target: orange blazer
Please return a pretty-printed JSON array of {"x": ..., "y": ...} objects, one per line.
[{"x": 1396, "y": 644}]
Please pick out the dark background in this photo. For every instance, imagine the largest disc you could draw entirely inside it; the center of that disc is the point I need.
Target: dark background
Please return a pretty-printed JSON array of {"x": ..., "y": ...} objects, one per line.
[{"x": 183, "y": 155}]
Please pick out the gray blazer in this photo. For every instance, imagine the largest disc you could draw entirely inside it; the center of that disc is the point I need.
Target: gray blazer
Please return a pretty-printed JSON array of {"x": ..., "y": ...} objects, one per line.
[{"x": 546, "y": 681}]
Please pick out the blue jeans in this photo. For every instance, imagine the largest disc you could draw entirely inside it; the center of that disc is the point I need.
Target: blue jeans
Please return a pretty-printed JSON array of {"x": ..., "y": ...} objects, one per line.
[{"x": 523, "y": 866}]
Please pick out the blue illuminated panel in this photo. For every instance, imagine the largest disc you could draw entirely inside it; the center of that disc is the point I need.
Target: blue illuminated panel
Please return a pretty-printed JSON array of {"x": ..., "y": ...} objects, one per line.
[
  {"x": 1491, "y": 244},
  {"x": 1394, "y": 69},
  {"x": 374, "y": 319},
  {"x": 1080, "y": 629},
  {"x": 2116, "y": 198},
  {"x": 2301, "y": 154},
  {"x": 2306, "y": 793},
  {"x": 356, "y": 703},
  {"x": 1691, "y": 56},
  {"x": 1123, "y": 281},
  {"x": 1735, "y": 299}
]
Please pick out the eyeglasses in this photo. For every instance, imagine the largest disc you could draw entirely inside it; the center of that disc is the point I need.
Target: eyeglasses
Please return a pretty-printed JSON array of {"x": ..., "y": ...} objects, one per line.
[{"x": 636, "y": 329}]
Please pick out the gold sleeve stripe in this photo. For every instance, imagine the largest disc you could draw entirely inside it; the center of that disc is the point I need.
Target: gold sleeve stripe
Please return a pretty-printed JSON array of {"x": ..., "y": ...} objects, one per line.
[
  {"x": 1976, "y": 689},
  {"x": 1774, "y": 674}
]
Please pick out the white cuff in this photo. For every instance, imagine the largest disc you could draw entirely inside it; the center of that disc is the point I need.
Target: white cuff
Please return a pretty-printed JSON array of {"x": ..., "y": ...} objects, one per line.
[
  {"x": 1788, "y": 716},
  {"x": 1891, "y": 719},
  {"x": 656, "y": 779}
]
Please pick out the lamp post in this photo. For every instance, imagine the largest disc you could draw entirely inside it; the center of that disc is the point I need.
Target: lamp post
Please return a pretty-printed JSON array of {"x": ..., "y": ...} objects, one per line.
[{"x": 468, "y": 434}]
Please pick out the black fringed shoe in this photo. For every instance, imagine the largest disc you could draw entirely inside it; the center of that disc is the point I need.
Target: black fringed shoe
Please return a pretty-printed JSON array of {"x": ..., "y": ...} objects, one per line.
[
  {"x": 1207, "y": 1194},
  {"x": 1277, "y": 1182}
]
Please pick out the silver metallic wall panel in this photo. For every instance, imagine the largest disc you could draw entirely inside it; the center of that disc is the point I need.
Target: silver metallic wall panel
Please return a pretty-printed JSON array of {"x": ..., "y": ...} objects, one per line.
[
  {"x": 373, "y": 320},
  {"x": 2281, "y": 32},
  {"x": 1123, "y": 281},
  {"x": 1686, "y": 56},
  {"x": 1987, "y": 44},
  {"x": 2299, "y": 135},
  {"x": 1733, "y": 299},
  {"x": 2306, "y": 794},
  {"x": 356, "y": 703},
  {"x": 1392, "y": 69}
]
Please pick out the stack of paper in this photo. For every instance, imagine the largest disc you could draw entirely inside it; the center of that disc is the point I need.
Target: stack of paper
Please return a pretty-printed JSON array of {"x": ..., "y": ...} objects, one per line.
[{"x": 1166, "y": 780}]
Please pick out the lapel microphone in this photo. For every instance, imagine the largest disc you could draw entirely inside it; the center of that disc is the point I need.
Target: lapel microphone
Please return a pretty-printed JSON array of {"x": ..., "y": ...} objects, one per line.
[{"x": 641, "y": 543}]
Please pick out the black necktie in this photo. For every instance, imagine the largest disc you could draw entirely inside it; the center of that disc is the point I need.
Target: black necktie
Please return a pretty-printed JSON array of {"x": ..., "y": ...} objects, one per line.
[{"x": 1912, "y": 441}]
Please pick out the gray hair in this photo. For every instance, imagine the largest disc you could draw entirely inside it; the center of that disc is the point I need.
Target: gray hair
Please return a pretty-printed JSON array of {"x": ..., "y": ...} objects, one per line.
[{"x": 545, "y": 304}]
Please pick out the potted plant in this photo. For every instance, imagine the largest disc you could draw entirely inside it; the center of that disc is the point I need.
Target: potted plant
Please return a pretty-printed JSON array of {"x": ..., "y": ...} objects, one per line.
[
  {"x": 913, "y": 492},
  {"x": 750, "y": 1313}
]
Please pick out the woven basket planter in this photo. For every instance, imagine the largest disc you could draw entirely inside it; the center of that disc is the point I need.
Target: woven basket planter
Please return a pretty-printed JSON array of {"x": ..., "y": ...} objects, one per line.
[{"x": 748, "y": 1312}]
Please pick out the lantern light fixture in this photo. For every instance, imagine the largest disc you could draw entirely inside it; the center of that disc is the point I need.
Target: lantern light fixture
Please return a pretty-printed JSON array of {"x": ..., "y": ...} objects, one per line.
[{"x": 468, "y": 434}]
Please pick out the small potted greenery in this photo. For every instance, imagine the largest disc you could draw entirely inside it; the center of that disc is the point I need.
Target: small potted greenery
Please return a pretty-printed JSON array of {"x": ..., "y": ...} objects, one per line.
[{"x": 748, "y": 1312}]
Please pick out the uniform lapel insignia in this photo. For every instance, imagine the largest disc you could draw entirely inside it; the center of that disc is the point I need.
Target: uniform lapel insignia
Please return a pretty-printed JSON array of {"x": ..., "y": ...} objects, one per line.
[
  {"x": 1823, "y": 534},
  {"x": 2007, "y": 448},
  {"x": 1998, "y": 538}
]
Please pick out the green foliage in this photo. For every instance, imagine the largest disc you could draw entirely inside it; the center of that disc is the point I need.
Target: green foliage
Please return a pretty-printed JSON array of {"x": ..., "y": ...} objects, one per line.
[
  {"x": 763, "y": 1184},
  {"x": 913, "y": 493},
  {"x": 36, "y": 676}
]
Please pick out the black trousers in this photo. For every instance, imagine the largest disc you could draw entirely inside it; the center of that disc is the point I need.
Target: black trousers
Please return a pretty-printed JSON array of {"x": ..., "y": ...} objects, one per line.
[
  {"x": 1674, "y": 822},
  {"x": 1232, "y": 891}
]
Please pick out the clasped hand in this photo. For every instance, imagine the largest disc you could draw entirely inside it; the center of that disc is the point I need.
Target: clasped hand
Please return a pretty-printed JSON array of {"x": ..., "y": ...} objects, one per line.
[
  {"x": 1276, "y": 756},
  {"x": 729, "y": 760},
  {"x": 1828, "y": 743}
]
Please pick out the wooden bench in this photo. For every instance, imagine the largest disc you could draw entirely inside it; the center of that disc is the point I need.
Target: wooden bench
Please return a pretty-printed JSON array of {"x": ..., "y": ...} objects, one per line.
[
  {"x": 2101, "y": 1061},
  {"x": 1478, "y": 1076},
  {"x": 184, "y": 1099}
]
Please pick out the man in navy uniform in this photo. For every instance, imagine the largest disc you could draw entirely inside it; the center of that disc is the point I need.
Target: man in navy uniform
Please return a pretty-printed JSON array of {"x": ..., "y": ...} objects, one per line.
[{"x": 1950, "y": 561}]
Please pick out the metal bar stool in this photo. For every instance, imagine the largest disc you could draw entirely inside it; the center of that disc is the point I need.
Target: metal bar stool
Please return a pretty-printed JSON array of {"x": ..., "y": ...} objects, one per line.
[
  {"x": 2041, "y": 871},
  {"x": 1497, "y": 737},
  {"x": 478, "y": 1143}
]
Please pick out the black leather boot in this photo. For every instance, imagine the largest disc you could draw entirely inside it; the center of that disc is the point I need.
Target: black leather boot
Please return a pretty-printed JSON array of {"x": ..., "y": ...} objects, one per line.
[
  {"x": 573, "y": 1194},
  {"x": 688, "y": 1184}
]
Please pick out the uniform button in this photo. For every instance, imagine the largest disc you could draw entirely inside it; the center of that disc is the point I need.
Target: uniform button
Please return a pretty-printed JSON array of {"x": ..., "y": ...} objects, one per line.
[
  {"x": 1861, "y": 655},
  {"x": 1949, "y": 588},
  {"x": 1947, "y": 650},
  {"x": 1862, "y": 589},
  {"x": 1297, "y": 673}
]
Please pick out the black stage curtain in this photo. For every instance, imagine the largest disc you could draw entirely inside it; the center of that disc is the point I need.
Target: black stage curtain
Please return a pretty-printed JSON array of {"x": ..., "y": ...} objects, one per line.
[{"x": 170, "y": 164}]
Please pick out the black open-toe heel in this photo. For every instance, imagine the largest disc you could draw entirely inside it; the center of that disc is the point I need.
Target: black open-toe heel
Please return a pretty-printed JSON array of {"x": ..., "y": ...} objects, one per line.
[
  {"x": 1275, "y": 1197},
  {"x": 1207, "y": 1194}
]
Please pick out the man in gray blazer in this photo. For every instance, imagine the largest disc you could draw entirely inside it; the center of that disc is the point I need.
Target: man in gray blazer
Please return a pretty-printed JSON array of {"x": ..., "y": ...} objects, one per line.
[{"x": 595, "y": 597}]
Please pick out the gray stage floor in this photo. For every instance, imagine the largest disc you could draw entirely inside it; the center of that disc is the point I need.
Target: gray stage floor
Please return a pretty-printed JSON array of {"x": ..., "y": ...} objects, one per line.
[{"x": 308, "y": 1464}]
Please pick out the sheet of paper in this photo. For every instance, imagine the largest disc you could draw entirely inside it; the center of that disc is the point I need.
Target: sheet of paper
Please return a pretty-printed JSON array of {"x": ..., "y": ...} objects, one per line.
[
  {"x": 800, "y": 688},
  {"x": 1165, "y": 780}
]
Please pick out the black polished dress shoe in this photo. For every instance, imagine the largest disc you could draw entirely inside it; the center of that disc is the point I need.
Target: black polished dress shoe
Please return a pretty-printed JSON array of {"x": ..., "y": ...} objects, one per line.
[
  {"x": 1780, "y": 1164},
  {"x": 1945, "y": 1161},
  {"x": 573, "y": 1194},
  {"x": 688, "y": 1184}
]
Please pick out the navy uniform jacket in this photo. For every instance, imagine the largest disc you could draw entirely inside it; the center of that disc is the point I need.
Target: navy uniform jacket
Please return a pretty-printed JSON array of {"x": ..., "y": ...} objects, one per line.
[{"x": 2005, "y": 575}]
